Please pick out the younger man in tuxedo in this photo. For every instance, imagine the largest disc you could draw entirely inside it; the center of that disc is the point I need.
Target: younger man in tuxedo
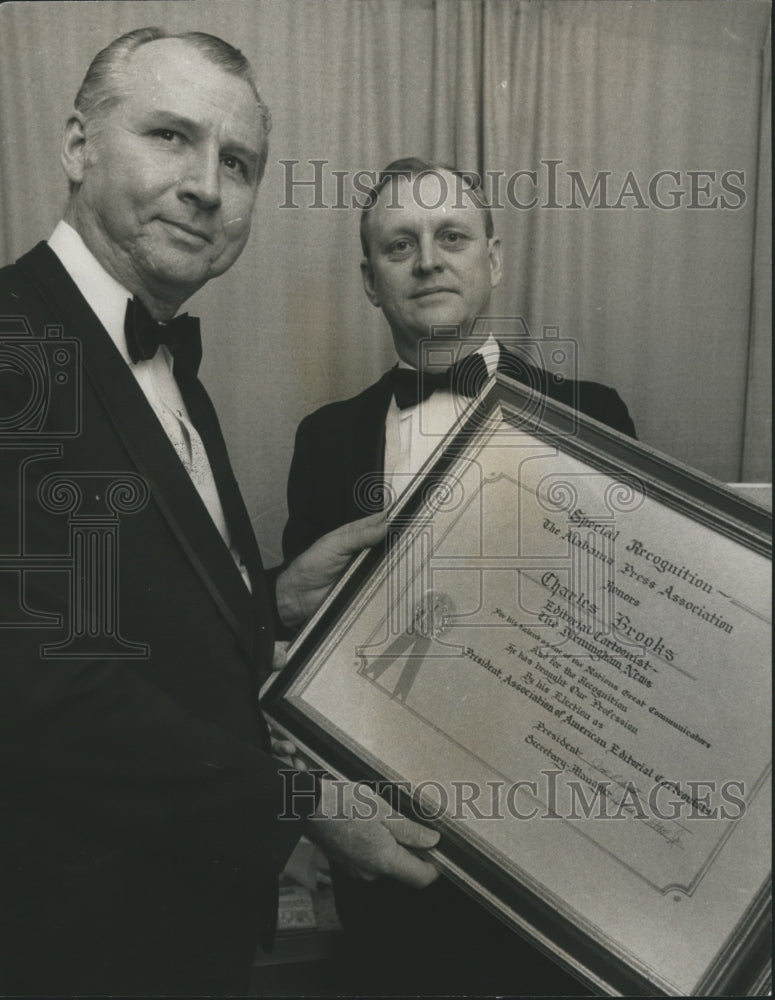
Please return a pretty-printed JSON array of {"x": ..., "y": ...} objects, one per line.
[
  {"x": 424, "y": 267},
  {"x": 430, "y": 260}
]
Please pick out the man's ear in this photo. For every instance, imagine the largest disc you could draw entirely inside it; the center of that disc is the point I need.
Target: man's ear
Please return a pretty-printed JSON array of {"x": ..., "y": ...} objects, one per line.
[
  {"x": 73, "y": 155},
  {"x": 367, "y": 274},
  {"x": 496, "y": 261}
]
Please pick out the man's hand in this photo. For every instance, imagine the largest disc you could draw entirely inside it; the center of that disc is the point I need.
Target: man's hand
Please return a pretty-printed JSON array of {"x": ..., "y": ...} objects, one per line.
[
  {"x": 305, "y": 583},
  {"x": 366, "y": 835},
  {"x": 287, "y": 751}
]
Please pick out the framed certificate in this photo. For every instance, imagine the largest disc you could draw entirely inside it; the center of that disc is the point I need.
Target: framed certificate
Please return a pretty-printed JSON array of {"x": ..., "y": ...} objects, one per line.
[{"x": 561, "y": 660}]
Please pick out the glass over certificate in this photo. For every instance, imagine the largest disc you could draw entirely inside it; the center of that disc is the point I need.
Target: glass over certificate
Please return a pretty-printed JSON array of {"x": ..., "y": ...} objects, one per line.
[{"x": 562, "y": 660}]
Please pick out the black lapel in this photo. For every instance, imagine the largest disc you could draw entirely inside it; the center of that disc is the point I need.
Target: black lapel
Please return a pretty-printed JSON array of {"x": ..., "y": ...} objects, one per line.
[
  {"x": 243, "y": 537},
  {"x": 145, "y": 441},
  {"x": 564, "y": 390},
  {"x": 515, "y": 366}
]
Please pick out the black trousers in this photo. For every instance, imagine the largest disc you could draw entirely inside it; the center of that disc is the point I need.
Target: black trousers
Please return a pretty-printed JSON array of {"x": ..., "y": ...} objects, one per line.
[{"x": 118, "y": 927}]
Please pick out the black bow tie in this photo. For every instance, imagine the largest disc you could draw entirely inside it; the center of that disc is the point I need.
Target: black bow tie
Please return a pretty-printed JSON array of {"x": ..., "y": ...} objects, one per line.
[
  {"x": 144, "y": 335},
  {"x": 466, "y": 377}
]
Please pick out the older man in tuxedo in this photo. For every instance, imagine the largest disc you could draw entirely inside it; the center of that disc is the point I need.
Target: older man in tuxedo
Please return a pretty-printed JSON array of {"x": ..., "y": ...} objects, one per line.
[
  {"x": 145, "y": 816},
  {"x": 430, "y": 262}
]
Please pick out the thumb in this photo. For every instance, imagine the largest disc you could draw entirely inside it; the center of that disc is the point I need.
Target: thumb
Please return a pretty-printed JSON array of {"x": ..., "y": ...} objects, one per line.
[
  {"x": 413, "y": 870},
  {"x": 365, "y": 532}
]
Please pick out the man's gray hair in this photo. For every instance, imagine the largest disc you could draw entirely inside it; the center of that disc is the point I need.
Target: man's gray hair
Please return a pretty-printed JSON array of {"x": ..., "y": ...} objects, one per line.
[{"x": 101, "y": 89}]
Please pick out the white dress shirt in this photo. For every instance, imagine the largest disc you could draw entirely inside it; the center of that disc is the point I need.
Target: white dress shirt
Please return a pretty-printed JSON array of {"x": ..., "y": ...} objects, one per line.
[
  {"x": 107, "y": 299},
  {"x": 412, "y": 434}
]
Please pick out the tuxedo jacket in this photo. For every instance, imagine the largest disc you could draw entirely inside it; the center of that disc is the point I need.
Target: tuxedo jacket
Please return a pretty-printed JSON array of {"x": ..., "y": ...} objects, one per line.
[
  {"x": 141, "y": 835},
  {"x": 339, "y": 448}
]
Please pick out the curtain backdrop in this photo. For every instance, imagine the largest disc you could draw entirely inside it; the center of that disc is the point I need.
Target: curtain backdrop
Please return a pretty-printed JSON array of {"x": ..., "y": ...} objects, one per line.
[{"x": 671, "y": 305}]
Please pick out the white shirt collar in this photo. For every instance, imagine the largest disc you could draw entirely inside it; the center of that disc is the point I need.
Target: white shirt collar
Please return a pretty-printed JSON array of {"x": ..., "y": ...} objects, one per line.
[{"x": 106, "y": 296}]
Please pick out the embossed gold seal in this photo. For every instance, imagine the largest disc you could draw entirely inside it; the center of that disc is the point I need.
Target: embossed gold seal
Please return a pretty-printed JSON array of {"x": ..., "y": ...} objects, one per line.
[{"x": 433, "y": 614}]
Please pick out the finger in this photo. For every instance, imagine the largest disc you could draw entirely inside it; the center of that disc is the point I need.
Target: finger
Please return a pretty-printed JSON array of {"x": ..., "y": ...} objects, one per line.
[
  {"x": 414, "y": 871},
  {"x": 285, "y": 747},
  {"x": 300, "y": 764},
  {"x": 411, "y": 834},
  {"x": 365, "y": 532},
  {"x": 280, "y": 657}
]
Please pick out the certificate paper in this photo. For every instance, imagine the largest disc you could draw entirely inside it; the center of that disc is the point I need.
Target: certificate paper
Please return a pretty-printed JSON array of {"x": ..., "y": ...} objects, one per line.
[{"x": 564, "y": 660}]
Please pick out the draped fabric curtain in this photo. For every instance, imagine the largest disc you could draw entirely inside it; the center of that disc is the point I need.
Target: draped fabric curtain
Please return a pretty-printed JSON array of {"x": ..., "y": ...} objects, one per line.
[{"x": 638, "y": 131}]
